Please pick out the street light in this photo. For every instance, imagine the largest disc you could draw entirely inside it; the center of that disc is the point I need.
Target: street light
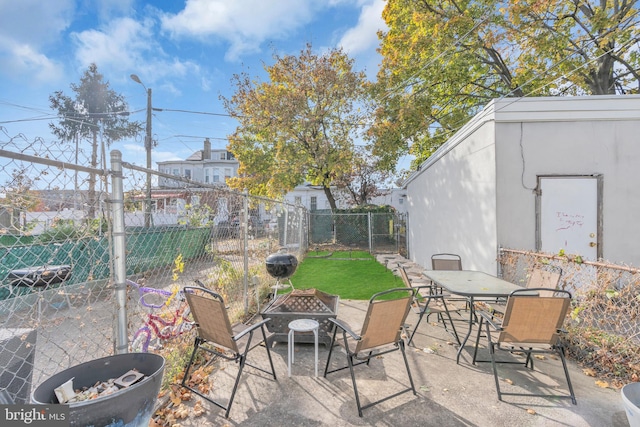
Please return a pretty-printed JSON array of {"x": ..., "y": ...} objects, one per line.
[{"x": 147, "y": 147}]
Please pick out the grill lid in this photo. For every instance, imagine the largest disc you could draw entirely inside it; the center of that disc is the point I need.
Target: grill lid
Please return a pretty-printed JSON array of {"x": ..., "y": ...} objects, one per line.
[{"x": 280, "y": 265}]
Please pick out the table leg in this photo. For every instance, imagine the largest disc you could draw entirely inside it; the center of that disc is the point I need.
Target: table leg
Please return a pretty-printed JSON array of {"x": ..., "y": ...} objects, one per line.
[
  {"x": 466, "y": 337},
  {"x": 315, "y": 336},
  {"x": 290, "y": 351}
]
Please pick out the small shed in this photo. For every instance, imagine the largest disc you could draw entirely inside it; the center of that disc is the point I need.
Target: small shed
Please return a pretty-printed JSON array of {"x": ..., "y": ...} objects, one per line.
[{"x": 544, "y": 174}]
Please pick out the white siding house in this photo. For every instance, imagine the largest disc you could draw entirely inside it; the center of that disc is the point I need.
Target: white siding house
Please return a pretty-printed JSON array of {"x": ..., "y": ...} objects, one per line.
[
  {"x": 546, "y": 174},
  {"x": 206, "y": 166},
  {"x": 310, "y": 196}
]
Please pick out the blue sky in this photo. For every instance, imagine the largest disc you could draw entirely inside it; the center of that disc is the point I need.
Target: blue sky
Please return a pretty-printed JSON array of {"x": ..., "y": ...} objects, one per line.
[{"x": 185, "y": 51}]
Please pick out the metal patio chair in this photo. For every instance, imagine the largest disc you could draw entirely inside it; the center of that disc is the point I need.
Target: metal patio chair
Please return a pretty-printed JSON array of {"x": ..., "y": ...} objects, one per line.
[
  {"x": 447, "y": 261},
  {"x": 531, "y": 324},
  {"x": 427, "y": 303},
  {"x": 547, "y": 278},
  {"x": 216, "y": 335},
  {"x": 380, "y": 334}
]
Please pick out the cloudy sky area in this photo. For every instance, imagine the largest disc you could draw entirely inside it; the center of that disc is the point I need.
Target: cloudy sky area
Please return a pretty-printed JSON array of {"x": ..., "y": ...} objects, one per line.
[{"x": 185, "y": 51}]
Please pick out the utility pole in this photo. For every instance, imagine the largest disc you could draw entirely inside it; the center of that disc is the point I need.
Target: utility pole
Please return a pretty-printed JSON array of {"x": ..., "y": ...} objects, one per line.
[{"x": 147, "y": 147}]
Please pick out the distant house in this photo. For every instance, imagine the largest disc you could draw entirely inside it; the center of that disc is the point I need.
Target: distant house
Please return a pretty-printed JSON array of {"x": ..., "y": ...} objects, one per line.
[
  {"x": 540, "y": 174},
  {"x": 310, "y": 196},
  {"x": 394, "y": 197},
  {"x": 207, "y": 166}
]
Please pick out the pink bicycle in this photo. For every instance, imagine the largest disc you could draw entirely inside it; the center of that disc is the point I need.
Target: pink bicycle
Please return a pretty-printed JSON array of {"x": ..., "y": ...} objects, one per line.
[{"x": 158, "y": 328}]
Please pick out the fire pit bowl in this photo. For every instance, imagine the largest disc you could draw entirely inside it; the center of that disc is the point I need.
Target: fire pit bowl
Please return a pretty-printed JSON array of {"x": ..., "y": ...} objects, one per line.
[
  {"x": 302, "y": 304},
  {"x": 281, "y": 265},
  {"x": 129, "y": 407}
]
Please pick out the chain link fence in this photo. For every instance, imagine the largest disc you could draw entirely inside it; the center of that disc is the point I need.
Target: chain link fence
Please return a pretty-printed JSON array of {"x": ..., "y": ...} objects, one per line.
[
  {"x": 376, "y": 232},
  {"x": 74, "y": 285},
  {"x": 604, "y": 328}
]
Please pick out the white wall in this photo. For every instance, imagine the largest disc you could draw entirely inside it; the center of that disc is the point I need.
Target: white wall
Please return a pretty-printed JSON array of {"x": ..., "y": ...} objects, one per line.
[
  {"x": 609, "y": 148},
  {"x": 451, "y": 204},
  {"x": 476, "y": 193}
]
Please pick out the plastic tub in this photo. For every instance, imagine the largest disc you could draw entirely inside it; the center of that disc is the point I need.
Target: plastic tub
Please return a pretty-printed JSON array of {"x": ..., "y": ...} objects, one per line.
[{"x": 631, "y": 399}]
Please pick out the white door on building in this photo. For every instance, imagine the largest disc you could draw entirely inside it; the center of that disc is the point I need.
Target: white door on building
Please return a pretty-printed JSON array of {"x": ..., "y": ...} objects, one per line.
[{"x": 568, "y": 212}]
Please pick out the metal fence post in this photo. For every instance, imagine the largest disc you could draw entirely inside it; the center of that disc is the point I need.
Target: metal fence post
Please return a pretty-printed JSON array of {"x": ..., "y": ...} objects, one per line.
[
  {"x": 245, "y": 280},
  {"x": 370, "y": 232},
  {"x": 119, "y": 253}
]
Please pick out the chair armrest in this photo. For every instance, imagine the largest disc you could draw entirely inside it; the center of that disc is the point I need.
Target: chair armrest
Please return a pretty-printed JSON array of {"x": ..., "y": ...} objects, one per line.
[
  {"x": 251, "y": 328},
  {"x": 345, "y": 328},
  {"x": 490, "y": 319}
]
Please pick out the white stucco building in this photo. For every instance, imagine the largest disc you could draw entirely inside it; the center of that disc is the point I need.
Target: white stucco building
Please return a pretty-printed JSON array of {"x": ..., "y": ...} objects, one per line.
[{"x": 546, "y": 174}]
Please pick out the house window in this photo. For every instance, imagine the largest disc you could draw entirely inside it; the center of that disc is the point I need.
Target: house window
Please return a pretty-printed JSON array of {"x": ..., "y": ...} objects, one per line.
[
  {"x": 207, "y": 177},
  {"x": 297, "y": 200},
  {"x": 176, "y": 172},
  {"x": 223, "y": 155},
  {"x": 227, "y": 173},
  {"x": 187, "y": 173},
  {"x": 216, "y": 174},
  {"x": 314, "y": 203}
]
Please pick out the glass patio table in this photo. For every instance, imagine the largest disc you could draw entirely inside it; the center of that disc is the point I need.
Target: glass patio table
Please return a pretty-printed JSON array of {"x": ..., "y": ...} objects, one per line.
[{"x": 471, "y": 285}]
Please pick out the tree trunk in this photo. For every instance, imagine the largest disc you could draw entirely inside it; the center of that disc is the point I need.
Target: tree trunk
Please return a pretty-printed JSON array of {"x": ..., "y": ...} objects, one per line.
[{"x": 330, "y": 198}]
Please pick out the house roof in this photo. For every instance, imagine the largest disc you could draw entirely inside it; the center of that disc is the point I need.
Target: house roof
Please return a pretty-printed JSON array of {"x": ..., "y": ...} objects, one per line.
[
  {"x": 197, "y": 156},
  {"x": 539, "y": 109}
]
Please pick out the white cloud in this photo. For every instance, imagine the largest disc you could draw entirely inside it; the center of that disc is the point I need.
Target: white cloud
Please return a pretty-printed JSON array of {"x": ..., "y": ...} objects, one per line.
[
  {"x": 245, "y": 25},
  {"x": 363, "y": 37},
  {"x": 23, "y": 59},
  {"x": 27, "y": 27},
  {"x": 125, "y": 44}
]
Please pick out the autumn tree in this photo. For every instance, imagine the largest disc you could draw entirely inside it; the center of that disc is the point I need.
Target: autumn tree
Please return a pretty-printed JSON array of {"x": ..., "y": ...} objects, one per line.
[
  {"x": 365, "y": 180},
  {"x": 443, "y": 61},
  {"x": 95, "y": 110},
  {"x": 19, "y": 196},
  {"x": 298, "y": 126}
]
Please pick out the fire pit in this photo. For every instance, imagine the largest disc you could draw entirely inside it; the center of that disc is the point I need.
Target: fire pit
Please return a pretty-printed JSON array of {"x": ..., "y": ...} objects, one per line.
[{"x": 302, "y": 304}]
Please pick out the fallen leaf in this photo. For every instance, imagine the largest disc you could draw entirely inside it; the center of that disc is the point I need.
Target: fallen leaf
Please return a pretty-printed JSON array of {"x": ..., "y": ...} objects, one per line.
[
  {"x": 424, "y": 388},
  {"x": 198, "y": 409},
  {"x": 602, "y": 384},
  {"x": 531, "y": 412},
  {"x": 508, "y": 381},
  {"x": 540, "y": 356},
  {"x": 175, "y": 399},
  {"x": 590, "y": 372}
]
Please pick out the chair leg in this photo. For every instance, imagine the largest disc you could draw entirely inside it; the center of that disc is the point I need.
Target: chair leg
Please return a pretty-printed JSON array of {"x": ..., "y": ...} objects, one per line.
[
  {"x": 475, "y": 350},
  {"x": 196, "y": 345},
  {"x": 242, "y": 360},
  {"x": 353, "y": 380},
  {"x": 406, "y": 365},
  {"x": 566, "y": 373},
  {"x": 266, "y": 344},
  {"x": 415, "y": 328},
  {"x": 333, "y": 341},
  {"x": 453, "y": 327}
]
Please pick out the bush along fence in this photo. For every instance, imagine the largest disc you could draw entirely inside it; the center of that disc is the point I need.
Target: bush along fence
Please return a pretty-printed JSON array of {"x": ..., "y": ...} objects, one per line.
[
  {"x": 604, "y": 328},
  {"x": 376, "y": 229}
]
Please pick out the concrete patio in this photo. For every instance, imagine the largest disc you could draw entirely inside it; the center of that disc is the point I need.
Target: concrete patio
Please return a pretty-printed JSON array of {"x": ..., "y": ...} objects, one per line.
[{"x": 448, "y": 394}]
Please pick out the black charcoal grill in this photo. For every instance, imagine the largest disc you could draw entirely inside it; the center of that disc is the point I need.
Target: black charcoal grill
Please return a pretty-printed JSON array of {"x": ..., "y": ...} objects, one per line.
[{"x": 281, "y": 266}]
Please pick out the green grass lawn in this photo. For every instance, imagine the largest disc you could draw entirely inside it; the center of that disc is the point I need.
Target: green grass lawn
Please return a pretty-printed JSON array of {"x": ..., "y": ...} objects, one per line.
[{"x": 349, "y": 274}]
